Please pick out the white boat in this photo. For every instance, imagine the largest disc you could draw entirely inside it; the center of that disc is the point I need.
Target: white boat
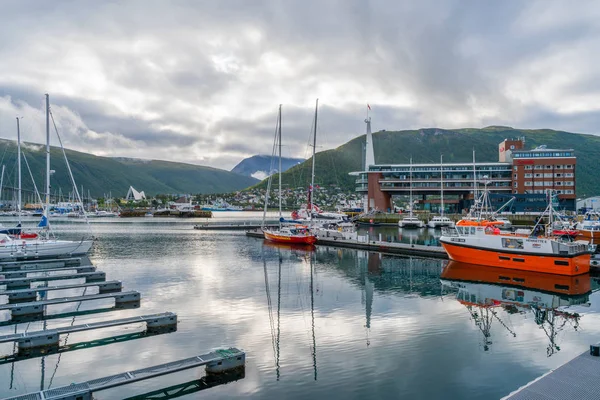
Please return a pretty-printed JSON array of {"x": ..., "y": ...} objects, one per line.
[
  {"x": 440, "y": 222},
  {"x": 16, "y": 249},
  {"x": 411, "y": 221}
]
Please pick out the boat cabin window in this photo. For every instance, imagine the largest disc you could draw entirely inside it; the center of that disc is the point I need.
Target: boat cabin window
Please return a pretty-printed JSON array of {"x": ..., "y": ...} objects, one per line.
[{"x": 510, "y": 243}]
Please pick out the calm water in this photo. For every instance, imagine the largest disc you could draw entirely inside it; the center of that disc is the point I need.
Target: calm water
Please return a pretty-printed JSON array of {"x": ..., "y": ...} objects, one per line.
[{"x": 329, "y": 323}]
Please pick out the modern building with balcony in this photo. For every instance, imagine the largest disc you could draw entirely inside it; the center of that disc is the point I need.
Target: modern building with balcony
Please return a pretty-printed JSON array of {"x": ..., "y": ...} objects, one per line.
[{"x": 522, "y": 174}]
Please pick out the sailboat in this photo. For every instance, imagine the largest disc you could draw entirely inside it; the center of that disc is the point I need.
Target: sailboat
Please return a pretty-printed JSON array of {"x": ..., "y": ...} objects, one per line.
[
  {"x": 440, "y": 221},
  {"x": 411, "y": 221},
  {"x": 295, "y": 233},
  {"x": 46, "y": 247}
]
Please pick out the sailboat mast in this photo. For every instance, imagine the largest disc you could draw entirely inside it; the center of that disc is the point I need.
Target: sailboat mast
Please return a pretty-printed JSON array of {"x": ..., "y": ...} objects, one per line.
[
  {"x": 1, "y": 183},
  {"x": 410, "y": 190},
  {"x": 279, "y": 139},
  {"x": 312, "y": 180},
  {"x": 474, "y": 180},
  {"x": 442, "y": 184},
  {"x": 19, "y": 169},
  {"x": 47, "y": 153}
]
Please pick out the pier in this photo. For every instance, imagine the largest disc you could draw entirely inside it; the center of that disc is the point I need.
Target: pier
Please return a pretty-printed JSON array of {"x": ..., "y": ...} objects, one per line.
[
  {"x": 31, "y": 293},
  {"x": 577, "y": 379},
  {"x": 37, "y": 307},
  {"x": 17, "y": 283},
  {"x": 50, "y": 338},
  {"x": 24, "y": 273},
  {"x": 216, "y": 362},
  {"x": 375, "y": 245},
  {"x": 232, "y": 227},
  {"x": 41, "y": 264}
]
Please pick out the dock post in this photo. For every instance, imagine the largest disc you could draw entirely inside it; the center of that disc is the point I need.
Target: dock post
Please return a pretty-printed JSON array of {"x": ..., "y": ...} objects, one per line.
[
  {"x": 24, "y": 296},
  {"x": 110, "y": 287},
  {"x": 232, "y": 360},
  {"x": 96, "y": 277},
  {"x": 26, "y": 310},
  {"x": 127, "y": 298},
  {"x": 167, "y": 323},
  {"x": 46, "y": 343}
]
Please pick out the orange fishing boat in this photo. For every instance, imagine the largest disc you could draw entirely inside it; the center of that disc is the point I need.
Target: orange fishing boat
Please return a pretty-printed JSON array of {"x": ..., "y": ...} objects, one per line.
[
  {"x": 480, "y": 241},
  {"x": 298, "y": 234}
]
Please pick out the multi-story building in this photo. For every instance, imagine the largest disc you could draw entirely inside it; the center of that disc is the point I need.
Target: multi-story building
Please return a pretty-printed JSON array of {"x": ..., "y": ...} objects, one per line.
[{"x": 522, "y": 174}]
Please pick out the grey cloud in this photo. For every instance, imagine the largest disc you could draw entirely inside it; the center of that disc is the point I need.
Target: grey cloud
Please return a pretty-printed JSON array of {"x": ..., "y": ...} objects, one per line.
[{"x": 200, "y": 80}]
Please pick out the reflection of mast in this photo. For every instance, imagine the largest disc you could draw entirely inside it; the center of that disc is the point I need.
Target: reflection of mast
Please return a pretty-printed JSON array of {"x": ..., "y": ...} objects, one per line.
[
  {"x": 369, "y": 289},
  {"x": 554, "y": 327},
  {"x": 312, "y": 313},
  {"x": 274, "y": 338}
]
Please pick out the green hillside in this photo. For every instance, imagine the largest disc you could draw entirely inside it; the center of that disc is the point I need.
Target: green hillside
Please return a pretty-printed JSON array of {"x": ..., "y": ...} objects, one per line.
[
  {"x": 102, "y": 175},
  {"x": 426, "y": 145}
]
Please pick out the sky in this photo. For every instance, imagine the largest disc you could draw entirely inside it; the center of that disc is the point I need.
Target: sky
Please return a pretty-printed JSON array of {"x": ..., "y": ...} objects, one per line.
[{"x": 200, "y": 81}]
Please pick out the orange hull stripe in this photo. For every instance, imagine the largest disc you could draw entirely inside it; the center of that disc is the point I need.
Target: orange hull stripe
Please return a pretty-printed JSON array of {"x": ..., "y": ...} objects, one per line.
[
  {"x": 290, "y": 239},
  {"x": 575, "y": 265}
]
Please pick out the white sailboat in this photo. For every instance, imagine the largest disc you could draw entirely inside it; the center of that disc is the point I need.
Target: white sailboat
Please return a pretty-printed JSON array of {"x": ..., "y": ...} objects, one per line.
[
  {"x": 410, "y": 221},
  {"x": 440, "y": 221},
  {"x": 43, "y": 246}
]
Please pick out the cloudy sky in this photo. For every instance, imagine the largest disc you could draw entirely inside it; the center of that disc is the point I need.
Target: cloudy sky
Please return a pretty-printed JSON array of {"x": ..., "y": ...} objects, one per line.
[{"x": 200, "y": 81}]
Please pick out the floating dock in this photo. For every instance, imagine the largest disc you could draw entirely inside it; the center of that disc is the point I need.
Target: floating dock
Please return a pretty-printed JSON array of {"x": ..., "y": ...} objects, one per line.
[
  {"x": 31, "y": 293},
  {"x": 25, "y": 272},
  {"x": 15, "y": 283},
  {"x": 219, "y": 361},
  {"x": 577, "y": 379},
  {"x": 376, "y": 245},
  {"x": 50, "y": 338},
  {"x": 41, "y": 264},
  {"x": 232, "y": 227},
  {"x": 37, "y": 307}
]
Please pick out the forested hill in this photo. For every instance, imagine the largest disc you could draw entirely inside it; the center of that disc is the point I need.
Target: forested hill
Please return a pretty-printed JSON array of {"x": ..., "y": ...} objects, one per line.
[
  {"x": 102, "y": 175},
  {"x": 426, "y": 145}
]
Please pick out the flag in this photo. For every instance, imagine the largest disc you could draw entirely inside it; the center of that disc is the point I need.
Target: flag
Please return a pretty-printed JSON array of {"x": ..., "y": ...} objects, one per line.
[
  {"x": 368, "y": 106},
  {"x": 43, "y": 222}
]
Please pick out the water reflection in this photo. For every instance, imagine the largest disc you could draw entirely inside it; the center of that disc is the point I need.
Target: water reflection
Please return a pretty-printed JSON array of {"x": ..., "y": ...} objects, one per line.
[{"x": 485, "y": 290}]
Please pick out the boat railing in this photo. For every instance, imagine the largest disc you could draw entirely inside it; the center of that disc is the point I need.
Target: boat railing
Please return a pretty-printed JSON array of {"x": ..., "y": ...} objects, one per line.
[{"x": 568, "y": 248}]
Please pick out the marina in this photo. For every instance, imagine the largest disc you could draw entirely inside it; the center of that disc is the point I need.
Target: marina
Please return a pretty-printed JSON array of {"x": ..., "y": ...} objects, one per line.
[{"x": 372, "y": 296}]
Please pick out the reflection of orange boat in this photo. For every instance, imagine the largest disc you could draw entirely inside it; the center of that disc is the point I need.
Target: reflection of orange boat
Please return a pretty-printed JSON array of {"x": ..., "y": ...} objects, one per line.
[
  {"x": 298, "y": 234},
  {"x": 288, "y": 246},
  {"x": 569, "y": 285}
]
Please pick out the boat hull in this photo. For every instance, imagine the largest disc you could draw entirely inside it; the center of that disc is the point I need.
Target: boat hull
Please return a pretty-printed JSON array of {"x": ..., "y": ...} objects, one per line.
[
  {"x": 291, "y": 239},
  {"x": 585, "y": 234},
  {"x": 575, "y": 265},
  {"x": 38, "y": 249}
]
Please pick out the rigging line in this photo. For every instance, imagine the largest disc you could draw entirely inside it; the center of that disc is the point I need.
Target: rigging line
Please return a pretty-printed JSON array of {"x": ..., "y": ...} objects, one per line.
[
  {"x": 312, "y": 313},
  {"x": 278, "y": 315},
  {"x": 32, "y": 180},
  {"x": 66, "y": 340},
  {"x": 269, "y": 304},
  {"x": 70, "y": 172}
]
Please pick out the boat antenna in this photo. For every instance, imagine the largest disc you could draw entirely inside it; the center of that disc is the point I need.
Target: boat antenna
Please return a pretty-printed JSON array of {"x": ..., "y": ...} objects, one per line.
[{"x": 314, "y": 146}]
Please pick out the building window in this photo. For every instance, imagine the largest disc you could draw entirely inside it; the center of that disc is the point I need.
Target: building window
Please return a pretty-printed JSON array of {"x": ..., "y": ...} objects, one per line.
[
  {"x": 516, "y": 168},
  {"x": 528, "y": 183},
  {"x": 558, "y": 183},
  {"x": 538, "y": 183},
  {"x": 547, "y": 175},
  {"x": 528, "y": 167},
  {"x": 568, "y": 192},
  {"x": 570, "y": 183},
  {"x": 548, "y": 166},
  {"x": 538, "y": 167},
  {"x": 568, "y": 166},
  {"x": 528, "y": 175},
  {"x": 559, "y": 192},
  {"x": 569, "y": 175},
  {"x": 557, "y": 175},
  {"x": 515, "y": 184},
  {"x": 558, "y": 167},
  {"x": 538, "y": 175},
  {"x": 515, "y": 176}
]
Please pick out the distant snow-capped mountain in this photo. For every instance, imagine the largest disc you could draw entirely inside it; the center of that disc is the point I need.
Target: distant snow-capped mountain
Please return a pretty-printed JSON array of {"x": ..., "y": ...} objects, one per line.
[{"x": 258, "y": 166}]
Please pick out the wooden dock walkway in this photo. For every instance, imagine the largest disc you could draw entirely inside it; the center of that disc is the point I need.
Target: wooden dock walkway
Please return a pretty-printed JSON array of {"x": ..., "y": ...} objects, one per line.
[{"x": 577, "y": 379}]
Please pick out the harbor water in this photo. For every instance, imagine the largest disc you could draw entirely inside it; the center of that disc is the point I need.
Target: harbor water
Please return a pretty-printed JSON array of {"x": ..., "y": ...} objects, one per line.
[{"x": 322, "y": 323}]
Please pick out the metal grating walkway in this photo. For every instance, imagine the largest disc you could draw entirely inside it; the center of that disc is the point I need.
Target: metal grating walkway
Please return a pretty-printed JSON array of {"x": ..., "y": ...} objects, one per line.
[
  {"x": 131, "y": 376},
  {"x": 577, "y": 379},
  {"x": 64, "y": 287},
  {"x": 85, "y": 327},
  {"x": 129, "y": 296}
]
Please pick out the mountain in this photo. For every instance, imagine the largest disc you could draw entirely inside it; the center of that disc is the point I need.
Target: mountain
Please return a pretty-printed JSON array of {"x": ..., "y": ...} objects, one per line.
[
  {"x": 259, "y": 166},
  {"x": 426, "y": 145},
  {"x": 102, "y": 175}
]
